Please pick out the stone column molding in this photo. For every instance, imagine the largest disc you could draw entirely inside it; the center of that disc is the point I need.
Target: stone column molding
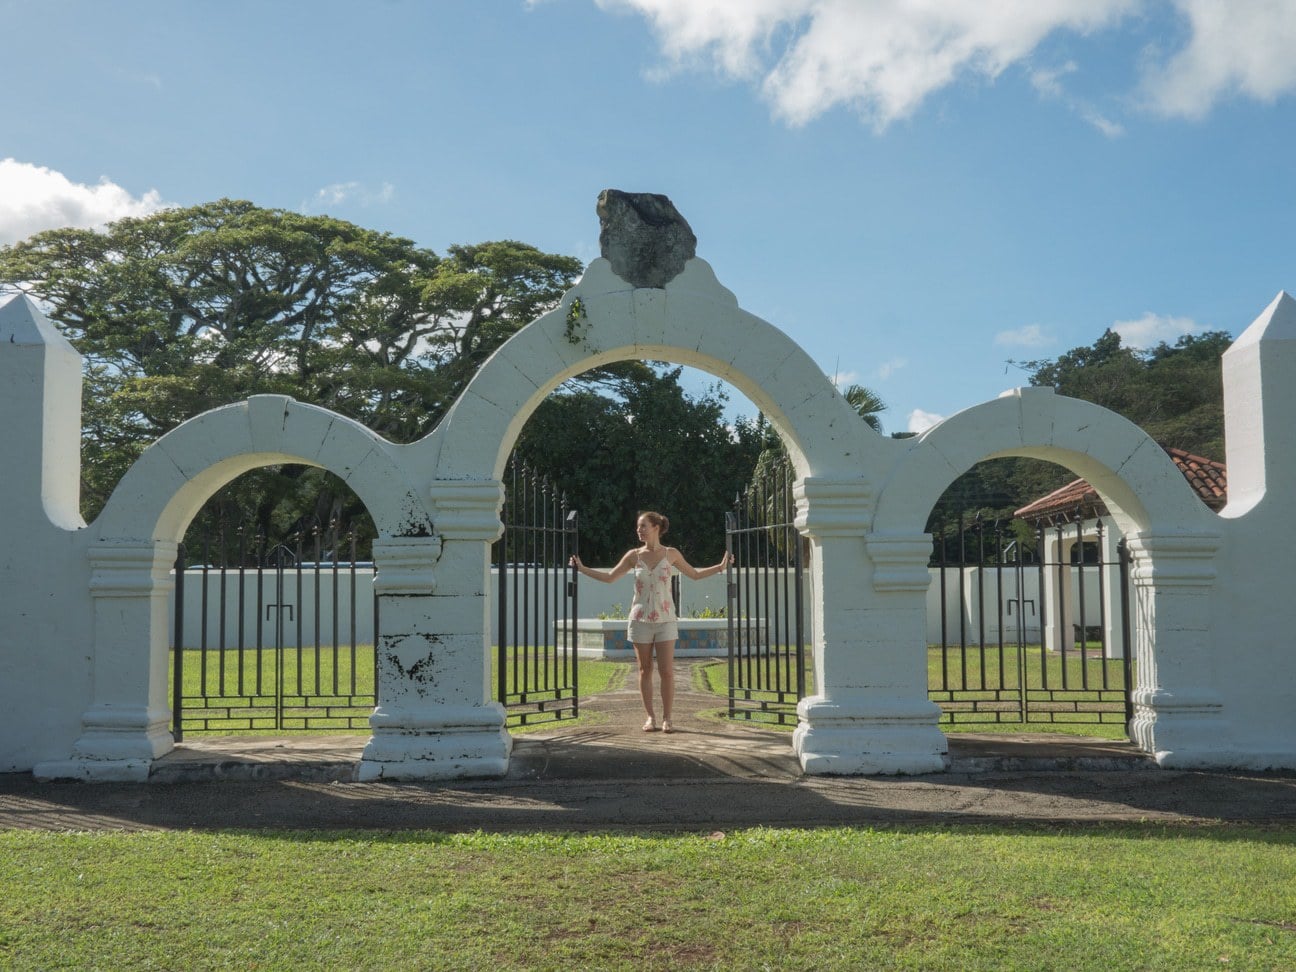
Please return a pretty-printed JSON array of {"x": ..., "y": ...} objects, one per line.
[
  {"x": 128, "y": 723},
  {"x": 405, "y": 565},
  {"x": 900, "y": 562},
  {"x": 1178, "y": 711},
  {"x": 832, "y": 507},
  {"x": 467, "y": 509}
]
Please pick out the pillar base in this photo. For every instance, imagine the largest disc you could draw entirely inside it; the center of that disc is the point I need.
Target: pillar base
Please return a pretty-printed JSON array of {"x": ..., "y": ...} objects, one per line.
[
  {"x": 441, "y": 743},
  {"x": 94, "y": 770},
  {"x": 863, "y": 738},
  {"x": 1182, "y": 731},
  {"x": 118, "y": 744}
]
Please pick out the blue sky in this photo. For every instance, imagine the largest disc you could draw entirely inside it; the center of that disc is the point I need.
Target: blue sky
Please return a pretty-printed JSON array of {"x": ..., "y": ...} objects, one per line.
[{"x": 917, "y": 191}]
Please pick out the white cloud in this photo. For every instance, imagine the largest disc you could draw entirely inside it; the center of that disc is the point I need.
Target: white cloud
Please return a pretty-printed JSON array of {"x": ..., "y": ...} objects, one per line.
[
  {"x": 1151, "y": 329},
  {"x": 1048, "y": 82},
  {"x": 1239, "y": 47},
  {"x": 357, "y": 193},
  {"x": 1030, "y": 336},
  {"x": 881, "y": 59},
  {"x": 843, "y": 379},
  {"x": 920, "y": 421},
  {"x": 888, "y": 368},
  {"x": 884, "y": 58},
  {"x": 35, "y": 198}
]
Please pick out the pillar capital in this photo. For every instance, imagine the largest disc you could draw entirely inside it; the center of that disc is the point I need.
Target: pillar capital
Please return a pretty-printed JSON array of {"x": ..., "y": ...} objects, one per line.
[
  {"x": 1173, "y": 560},
  {"x": 131, "y": 568},
  {"x": 467, "y": 509},
  {"x": 405, "y": 564},
  {"x": 833, "y": 507},
  {"x": 900, "y": 561}
]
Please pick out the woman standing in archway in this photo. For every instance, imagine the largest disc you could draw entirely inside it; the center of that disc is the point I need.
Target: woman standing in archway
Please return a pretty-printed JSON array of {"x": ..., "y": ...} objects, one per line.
[{"x": 652, "y": 628}]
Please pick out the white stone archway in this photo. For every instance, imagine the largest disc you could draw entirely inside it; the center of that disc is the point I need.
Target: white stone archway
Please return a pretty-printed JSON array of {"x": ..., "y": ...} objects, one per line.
[
  {"x": 1172, "y": 536},
  {"x": 692, "y": 321},
  {"x": 82, "y": 627}
]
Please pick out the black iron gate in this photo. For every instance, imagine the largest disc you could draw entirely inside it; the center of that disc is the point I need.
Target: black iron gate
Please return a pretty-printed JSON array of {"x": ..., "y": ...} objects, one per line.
[
  {"x": 535, "y": 663},
  {"x": 273, "y": 636},
  {"x": 767, "y": 642},
  {"x": 1031, "y": 637}
]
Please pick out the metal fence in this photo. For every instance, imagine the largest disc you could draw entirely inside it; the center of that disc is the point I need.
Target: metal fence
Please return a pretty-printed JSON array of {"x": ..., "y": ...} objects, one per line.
[
  {"x": 1031, "y": 637},
  {"x": 283, "y": 637},
  {"x": 767, "y": 643},
  {"x": 536, "y": 674}
]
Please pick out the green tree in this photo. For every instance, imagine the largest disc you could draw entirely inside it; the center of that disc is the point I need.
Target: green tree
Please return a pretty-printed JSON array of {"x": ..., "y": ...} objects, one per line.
[
  {"x": 867, "y": 403},
  {"x": 1173, "y": 391},
  {"x": 647, "y": 445},
  {"x": 188, "y": 309}
]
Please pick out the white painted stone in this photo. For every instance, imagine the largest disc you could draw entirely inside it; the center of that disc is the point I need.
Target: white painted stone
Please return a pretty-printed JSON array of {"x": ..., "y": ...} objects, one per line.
[{"x": 868, "y": 735}]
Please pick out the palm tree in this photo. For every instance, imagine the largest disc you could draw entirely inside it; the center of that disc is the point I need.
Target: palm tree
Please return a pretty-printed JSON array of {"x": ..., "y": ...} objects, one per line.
[{"x": 867, "y": 403}]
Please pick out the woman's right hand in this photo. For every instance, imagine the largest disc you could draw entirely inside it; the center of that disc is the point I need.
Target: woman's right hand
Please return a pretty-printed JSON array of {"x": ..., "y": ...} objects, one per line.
[{"x": 575, "y": 562}]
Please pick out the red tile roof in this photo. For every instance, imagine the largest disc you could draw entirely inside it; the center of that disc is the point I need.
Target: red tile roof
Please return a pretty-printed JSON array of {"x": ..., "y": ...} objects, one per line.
[{"x": 1078, "y": 500}]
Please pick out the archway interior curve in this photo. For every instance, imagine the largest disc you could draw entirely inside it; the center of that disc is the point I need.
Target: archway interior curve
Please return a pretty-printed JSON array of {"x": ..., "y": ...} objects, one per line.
[
  {"x": 766, "y": 404},
  {"x": 618, "y": 443},
  {"x": 1138, "y": 482},
  {"x": 167, "y": 486},
  {"x": 1123, "y": 503}
]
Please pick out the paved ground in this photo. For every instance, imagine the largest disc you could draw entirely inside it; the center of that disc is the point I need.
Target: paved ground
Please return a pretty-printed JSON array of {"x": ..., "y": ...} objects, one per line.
[{"x": 608, "y": 774}]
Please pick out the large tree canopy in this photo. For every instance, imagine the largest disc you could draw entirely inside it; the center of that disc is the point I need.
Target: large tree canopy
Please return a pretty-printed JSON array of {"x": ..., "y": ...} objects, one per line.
[{"x": 188, "y": 309}]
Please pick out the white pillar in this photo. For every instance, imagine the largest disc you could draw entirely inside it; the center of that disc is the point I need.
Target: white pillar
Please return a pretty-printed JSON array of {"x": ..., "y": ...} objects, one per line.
[
  {"x": 1056, "y": 597},
  {"x": 871, "y": 713},
  {"x": 1113, "y": 593},
  {"x": 1178, "y": 711},
  {"x": 128, "y": 723},
  {"x": 435, "y": 718},
  {"x": 40, "y": 399}
]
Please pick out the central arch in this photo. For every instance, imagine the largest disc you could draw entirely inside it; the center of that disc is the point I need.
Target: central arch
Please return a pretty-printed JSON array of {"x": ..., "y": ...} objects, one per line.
[{"x": 692, "y": 321}]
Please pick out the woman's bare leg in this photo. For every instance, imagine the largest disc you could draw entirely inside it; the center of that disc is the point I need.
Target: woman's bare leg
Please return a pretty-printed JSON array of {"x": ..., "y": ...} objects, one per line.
[
  {"x": 666, "y": 668},
  {"x": 644, "y": 656}
]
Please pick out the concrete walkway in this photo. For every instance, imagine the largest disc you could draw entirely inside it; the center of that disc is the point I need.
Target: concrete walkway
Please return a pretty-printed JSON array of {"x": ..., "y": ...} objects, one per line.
[{"x": 606, "y": 773}]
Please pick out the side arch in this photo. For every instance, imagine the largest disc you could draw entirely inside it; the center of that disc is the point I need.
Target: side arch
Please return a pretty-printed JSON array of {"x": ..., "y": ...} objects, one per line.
[
  {"x": 169, "y": 483},
  {"x": 133, "y": 547},
  {"x": 1136, "y": 479},
  {"x": 1179, "y": 716}
]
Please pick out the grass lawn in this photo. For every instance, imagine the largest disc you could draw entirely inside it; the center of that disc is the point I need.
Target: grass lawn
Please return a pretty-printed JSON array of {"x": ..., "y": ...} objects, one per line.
[
  {"x": 967, "y": 898},
  {"x": 325, "y": 691}
]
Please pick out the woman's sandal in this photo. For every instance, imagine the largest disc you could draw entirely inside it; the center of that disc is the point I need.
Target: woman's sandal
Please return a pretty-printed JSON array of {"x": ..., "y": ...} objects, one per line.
[
  {"x": 666, "y": 726},
  {"x": 650, "y": 725}
]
